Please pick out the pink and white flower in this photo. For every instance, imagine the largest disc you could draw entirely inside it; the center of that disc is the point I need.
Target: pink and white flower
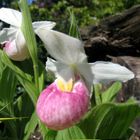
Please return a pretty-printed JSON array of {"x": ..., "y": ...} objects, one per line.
[
  {"x": 61, "y": 109},
  {"x": 71, "y": 59},
  {"x": 12, "y": 38},
  {"x": 65, "y": 101}
]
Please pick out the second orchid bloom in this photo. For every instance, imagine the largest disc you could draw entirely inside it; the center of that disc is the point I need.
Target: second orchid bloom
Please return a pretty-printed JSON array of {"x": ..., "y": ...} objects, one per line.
[{"x": 12, "y": 38}]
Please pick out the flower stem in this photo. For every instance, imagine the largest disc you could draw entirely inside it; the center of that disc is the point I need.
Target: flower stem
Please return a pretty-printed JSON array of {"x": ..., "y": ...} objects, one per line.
[
  {"x": 97, "y": 89},
  {"x": 36, "y": 75},
  {"x": 30, "y": 38}
]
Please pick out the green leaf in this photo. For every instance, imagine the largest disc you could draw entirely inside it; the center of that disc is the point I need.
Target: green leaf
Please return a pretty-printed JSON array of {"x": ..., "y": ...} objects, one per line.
[
  {"x": 28, "y": 29},
  {"x": 8, "y": 120},
  {"x": 2, "y": 67},
  {"x": 50, "y": 135},
  {"x": 31, "y": 125},
  {"x": 110, "y": 120},
  {"x": 97, "y": 93},
  {"x": 128, "y": 134},
  {"x": 24, "y": 107},
  {"x": 3, "y": 107},
  {"x": 110, "y": 94},
  {"x": 43, "y": 129},
  {"x": 41, "y": 76},
  {"x": 7, "y": 85},
  {"x": 71, "y": 133},
  {"x": 29, "y": 35},
  {"x": 24, "y": 78},
  {"x": 73, "y": 31},
  {"x": 9, "y": 64},
  {"x": 86, "y": 139},
  {"x": 30, "y": 88},
  {"x": 9, "y": 124},
  {"x": 14, "y": 118}
]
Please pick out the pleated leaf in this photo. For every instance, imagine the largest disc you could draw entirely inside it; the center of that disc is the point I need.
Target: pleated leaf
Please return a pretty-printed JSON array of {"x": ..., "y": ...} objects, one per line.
[
  {"x": 30, "y": 127},
  {"x": 2, "y": 67},
  {"x": 110, "y": 120},
  {"x": 71, "y": 133},
  {"x": 7, "y": 85},
  {"x": 110, "y": 94},
  {"x": 73, "y": 31},
  {"x": 24, "y": 78}
]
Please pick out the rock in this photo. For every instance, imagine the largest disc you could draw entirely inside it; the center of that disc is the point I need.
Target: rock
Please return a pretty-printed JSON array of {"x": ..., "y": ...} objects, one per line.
[{"x": 117, "y": 35}]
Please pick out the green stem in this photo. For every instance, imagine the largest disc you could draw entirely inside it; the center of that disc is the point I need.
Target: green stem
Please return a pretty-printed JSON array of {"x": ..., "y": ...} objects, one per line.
[
  {"x": 97, "y": 91},
  {"x": 30, "y": 38},
  {"x": 36, "y": 75}
]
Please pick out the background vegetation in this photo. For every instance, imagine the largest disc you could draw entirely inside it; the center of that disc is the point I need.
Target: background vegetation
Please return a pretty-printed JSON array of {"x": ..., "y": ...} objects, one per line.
[
  {"x": 87, "y": 12},
  {"x": 15, "y": 102}
]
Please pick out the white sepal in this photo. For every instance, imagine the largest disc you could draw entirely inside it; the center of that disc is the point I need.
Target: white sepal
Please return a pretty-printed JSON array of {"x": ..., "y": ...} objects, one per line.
[
  {"x": 16, "y": 49},
  {"x": 62, "y": 47},
  {"x": 108, "y": 71},
  {"x": 10, "y": 16},
  {"x": 59, "y": 69},
  {"x": 43, "y": 24},
  {"x": 85, "y": 71},
  {"x": 23, "y": 52},
  {"x": 8, "y": 34}
]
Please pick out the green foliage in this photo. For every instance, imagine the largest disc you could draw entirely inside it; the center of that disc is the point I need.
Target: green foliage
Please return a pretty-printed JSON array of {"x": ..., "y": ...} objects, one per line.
[
  {"x": 7, "y": 85},
  {"x": 106, "y": 119},
  {"x": 110, "y": 94},
  {"x": 110, "y": 120},
  {"x": 23, "y": 105},
  {"x": 86, "y": 11},
  {"x": 73, "y": 31},
  {"x": 31, "y": 125},
  {"x": 29, "y": 35},
  {"x": 25, "y": 79},
  {"x": 71, "y": 133},
  {"x": 7, "y": 93}
]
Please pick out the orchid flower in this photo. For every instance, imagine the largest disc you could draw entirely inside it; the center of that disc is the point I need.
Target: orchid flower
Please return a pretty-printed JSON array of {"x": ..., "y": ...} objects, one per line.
[
  {"x": 12, "y": 38},
  {"x": 65, "y": 101},
  {"x": 71, "y": 59}
]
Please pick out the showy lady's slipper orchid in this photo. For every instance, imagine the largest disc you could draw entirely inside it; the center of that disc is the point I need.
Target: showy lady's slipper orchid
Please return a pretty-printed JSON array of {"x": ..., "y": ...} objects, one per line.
[
  {"x": 12, "y": 38},
  {"x": 65, "y": 101}
]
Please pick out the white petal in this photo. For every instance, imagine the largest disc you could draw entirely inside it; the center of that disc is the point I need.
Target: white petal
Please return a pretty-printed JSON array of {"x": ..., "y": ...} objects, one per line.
[
  {"x": 23, "y": 52},
  {"x": 10, "y": 49},
  {"x": 85, "y": 70},
  {"x": 16, "y": 49},
  {"x": 59, "y": 69},
  {"x": 62, "y": 47},
  {"x": 107, "y": 71},
  {"x": 43, "y": 24},
  {"x": 8, "y": 34},
  {"x": 11, "y": 16}
]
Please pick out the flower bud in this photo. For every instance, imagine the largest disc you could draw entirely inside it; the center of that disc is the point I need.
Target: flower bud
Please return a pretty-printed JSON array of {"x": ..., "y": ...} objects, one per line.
[{"x": 16, "y": 49}]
